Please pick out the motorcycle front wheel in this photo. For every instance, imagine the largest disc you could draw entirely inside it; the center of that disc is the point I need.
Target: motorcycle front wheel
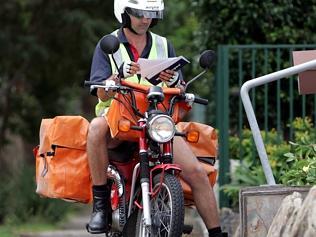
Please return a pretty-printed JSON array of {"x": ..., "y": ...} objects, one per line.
[{"x": 167, "y": 209}]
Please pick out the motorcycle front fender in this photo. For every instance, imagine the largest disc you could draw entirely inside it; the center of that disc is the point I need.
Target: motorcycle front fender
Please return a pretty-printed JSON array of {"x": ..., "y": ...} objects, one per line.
[{"x": 161, "y": 169}]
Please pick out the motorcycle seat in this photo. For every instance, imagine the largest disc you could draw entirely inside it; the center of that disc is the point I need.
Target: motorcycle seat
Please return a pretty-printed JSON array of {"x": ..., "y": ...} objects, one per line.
[{"x": 123, "y": 152}]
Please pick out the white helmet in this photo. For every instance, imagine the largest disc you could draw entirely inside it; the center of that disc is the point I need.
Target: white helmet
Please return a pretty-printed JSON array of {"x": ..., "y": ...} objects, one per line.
[{"x": 139, "y": 8}]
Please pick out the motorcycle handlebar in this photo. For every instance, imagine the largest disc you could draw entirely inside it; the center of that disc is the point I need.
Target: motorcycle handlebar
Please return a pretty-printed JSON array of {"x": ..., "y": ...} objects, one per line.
[
  {"x": 192, "y": 98},
  {"x": 187, "y": 96},
  {"x": 91, "y": 83},
  {"x": 201, "y": 101}
]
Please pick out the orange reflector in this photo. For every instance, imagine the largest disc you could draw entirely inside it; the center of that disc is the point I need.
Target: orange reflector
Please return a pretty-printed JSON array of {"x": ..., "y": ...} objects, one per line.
[
  {"x": 124, "y": 125},
  {"x": 193, "y": 136}
]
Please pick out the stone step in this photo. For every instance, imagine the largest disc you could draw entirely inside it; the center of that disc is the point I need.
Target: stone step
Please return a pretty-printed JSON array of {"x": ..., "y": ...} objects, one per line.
[{"x": 260, "y": 204}]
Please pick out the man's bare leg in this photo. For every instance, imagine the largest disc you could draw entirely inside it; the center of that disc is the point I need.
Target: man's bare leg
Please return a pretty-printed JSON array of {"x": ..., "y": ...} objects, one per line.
[
  {"x": 99, "y": 140},
  {"x": 194, "y": 174},
  {"x": 97, "y": 148}
]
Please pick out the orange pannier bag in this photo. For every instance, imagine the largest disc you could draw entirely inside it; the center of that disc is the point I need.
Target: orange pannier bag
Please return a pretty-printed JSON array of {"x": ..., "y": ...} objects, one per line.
[
  {"x": 205, "y": 150},
  {"x": 62, "y": 169},
  {"x": 121, "y": 109}
]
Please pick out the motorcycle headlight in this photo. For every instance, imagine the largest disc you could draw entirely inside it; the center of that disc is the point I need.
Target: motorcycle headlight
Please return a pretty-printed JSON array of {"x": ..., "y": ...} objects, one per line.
[{"x": 161, "y": 128}]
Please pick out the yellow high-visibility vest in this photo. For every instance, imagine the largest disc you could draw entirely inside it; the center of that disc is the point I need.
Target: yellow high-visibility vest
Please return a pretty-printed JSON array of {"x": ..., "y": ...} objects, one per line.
[{"x": 159, "y": 50}]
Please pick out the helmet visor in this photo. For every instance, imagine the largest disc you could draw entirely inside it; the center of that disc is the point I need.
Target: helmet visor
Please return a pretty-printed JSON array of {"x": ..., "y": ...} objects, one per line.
[{"x": 144, "y": 13}]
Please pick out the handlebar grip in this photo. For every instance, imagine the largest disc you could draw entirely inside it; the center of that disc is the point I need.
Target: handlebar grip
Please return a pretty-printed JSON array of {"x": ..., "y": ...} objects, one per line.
[
  {"x": 91, "y": 83},
  {"x": 201, "y": 101}
]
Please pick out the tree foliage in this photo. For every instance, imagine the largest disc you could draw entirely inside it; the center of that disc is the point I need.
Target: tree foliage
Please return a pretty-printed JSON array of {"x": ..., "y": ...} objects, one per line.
[
  {"x": 255, "y": 22},
  {"x": 45, "y": 52},
  {"x": 249, "y": 22}
]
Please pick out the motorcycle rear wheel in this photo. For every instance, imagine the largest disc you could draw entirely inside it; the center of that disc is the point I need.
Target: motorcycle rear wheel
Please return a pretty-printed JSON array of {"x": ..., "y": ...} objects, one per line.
[{"x": 167, "y": 210}]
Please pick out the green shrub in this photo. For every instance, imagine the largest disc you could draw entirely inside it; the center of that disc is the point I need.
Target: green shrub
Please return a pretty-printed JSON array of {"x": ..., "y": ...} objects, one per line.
[
  {"x": 301, "y": 159},
  {"x": 292, "y": 163}
]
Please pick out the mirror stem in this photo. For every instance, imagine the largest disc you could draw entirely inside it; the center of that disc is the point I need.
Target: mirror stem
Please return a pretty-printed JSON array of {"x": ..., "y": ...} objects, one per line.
[
  {"x": 192, "y": 80},
  {"x": 114, "y": 62},
  {"x": 117, "y": 68}
]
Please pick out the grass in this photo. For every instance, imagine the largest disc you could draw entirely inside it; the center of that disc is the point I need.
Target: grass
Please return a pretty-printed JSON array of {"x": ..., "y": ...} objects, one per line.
[
  {"x": 10, "y": 228},
  {"x": 35, "y": 225}
]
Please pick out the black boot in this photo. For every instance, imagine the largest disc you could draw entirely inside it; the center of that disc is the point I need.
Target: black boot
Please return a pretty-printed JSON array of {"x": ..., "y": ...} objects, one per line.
[
  {"x": 100, "y": 221},
  {"x": 223, "y": 234},
  {"x": 217, "y": 232}
]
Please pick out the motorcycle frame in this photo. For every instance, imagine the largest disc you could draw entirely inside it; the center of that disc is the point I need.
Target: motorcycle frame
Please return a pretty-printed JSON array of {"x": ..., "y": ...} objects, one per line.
[{"x": 147, "y": 175}]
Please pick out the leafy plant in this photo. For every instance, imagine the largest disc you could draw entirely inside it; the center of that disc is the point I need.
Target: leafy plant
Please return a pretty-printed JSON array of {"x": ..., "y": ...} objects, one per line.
[
  {"x": 301, "y": 160},
  {"x": 292, "y": 163}
]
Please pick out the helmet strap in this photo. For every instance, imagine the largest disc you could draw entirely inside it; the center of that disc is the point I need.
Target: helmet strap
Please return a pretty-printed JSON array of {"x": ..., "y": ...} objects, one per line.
[
  {"x": 153, "y": 23},
  {"x": 126, "y": 22}
]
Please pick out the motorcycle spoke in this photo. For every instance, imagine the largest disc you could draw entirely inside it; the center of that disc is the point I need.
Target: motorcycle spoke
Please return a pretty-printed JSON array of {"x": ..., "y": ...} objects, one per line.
[
  {"x": 166, "y": 213},
  {"x": 162, "y": 210}
]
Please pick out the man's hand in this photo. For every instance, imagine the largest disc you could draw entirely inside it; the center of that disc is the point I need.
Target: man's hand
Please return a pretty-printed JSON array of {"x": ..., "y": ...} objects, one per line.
[
  {"x": 128, "y": 69},
  {"x": 105, "y": 95},
  {"x": 170, "y": 77}
]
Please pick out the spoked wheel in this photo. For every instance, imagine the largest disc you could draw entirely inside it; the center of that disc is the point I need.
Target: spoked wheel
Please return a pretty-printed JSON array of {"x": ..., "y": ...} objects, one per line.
[{"x": 167, "y": 210}]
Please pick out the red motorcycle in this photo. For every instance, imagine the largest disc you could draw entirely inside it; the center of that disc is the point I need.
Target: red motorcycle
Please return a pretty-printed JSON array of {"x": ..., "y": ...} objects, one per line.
[{"x": 147, "y": 196}]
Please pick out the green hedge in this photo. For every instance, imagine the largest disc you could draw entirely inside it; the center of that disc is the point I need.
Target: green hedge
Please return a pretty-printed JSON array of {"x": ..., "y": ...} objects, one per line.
[{"x": 292, "y": 163}]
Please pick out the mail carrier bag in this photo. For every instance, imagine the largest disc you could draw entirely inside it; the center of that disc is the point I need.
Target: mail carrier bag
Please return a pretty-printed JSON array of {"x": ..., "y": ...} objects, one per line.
[
  {"x": 62, "y": 169},
  {"x": 205, "y": 149}
]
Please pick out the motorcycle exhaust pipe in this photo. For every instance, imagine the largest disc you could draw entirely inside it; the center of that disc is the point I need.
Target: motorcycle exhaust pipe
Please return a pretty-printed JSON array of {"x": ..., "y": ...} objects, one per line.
[
  {"x": 118, "y": 215},
  {"x": 114, "y": 174}
]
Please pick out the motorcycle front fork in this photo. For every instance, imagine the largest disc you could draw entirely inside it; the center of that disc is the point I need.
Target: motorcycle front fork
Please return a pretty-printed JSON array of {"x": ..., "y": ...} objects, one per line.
[
  {"x": 145, "y": 188},
  {"x": 146, "y": 204},
  {"x": 144, "y": 181}
]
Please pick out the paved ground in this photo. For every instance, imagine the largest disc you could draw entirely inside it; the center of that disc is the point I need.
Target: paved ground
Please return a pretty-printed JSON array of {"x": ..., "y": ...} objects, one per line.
[{"x": 75, "y": 227}]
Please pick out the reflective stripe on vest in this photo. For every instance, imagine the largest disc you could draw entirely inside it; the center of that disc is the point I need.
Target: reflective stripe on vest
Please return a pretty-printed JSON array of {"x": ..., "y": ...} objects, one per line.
[{"x": 159, "y": 50}]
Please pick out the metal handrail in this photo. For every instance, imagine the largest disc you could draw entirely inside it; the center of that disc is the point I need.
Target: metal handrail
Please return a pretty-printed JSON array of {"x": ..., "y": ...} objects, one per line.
[{"x": 244, "y": 93}]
